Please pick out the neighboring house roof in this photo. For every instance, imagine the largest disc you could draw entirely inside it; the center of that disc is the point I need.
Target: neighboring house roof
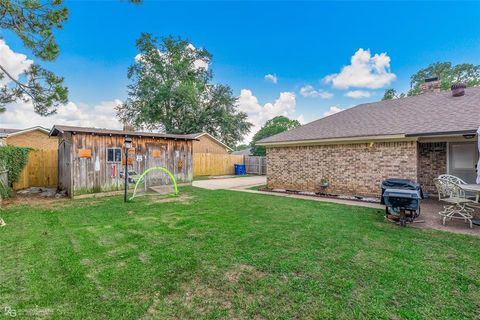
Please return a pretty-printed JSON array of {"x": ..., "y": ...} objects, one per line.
[
  {"x": 423, "y": 115},
  {"x": 61, "y": 129},
  {"x": 200, "y": 134},
  {"x": 244, "y": 152},
  {"x": 14, "y": 132}
]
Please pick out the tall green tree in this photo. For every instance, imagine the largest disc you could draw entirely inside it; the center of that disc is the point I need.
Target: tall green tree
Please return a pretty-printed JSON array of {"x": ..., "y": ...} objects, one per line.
[
  {"x": 448, "y": 74},
  {"x": 390, "y": 94},
  {"x": 241, "y": 146},
  {"x": 172, "y": 92},
  {"x": 270, "y": 128},
  {"x": 34, "y": 21}
]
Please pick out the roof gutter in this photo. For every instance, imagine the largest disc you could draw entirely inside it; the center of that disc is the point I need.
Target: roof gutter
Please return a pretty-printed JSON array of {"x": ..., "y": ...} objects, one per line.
[
  {"x": 445, "y": 133},
  {"x": 362, "y": 139}
]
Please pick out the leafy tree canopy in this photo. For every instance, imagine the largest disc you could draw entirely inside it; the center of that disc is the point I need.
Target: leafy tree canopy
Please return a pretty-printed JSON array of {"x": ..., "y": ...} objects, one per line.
[
  {"x": 270, "y": 128},
  {"x": 241, "y": 147},
  {"x": 34, "y": 21},
  {"x": 448, "y": 74},
  {"x": 392, "y": 94},
  {"x": 171, "y": 91}
]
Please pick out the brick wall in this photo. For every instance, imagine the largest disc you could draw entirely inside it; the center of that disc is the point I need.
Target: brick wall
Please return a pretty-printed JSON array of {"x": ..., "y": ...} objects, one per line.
[
  {"x": 432, "y": 162},
  {"x": 35, "y": 139},
  {"x": 355, "y": 169}
]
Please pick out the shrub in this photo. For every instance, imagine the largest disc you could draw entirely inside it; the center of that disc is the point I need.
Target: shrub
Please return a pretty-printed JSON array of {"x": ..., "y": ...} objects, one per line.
[{"x": 14, "y": 160}]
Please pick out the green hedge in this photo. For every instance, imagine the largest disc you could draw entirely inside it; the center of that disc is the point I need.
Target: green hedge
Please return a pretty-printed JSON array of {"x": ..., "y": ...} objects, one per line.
[{"x": 14, "y": 160}]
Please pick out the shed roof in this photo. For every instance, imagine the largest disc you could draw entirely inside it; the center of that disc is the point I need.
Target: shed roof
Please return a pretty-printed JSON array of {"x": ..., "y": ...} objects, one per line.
[
  {"x": 56, "y": 129},
  {"x": 422, "y": 115},
  {"x": 12, "y": 132},
  {"x": 201, "y": 134}
]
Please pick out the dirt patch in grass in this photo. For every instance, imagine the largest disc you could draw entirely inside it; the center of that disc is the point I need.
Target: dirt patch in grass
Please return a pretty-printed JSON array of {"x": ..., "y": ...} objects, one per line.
[
  {"x": 166, "y": 199},
  {"x": 242, "y": 270},
  {"x": 200, "y": 299},
  {"x": 37, "y": 201}
]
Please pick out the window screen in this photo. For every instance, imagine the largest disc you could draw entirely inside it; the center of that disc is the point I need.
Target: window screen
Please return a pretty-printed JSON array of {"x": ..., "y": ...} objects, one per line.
[
  {"x": 114, "y": 155},
  {"x": 463, "y": 156}
]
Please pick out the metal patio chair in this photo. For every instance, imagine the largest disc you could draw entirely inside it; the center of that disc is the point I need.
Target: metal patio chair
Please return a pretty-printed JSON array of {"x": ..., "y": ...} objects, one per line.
[
  {"x": 451, "y": 178},
  {"x": 456, "y": 206},
  {"x": 457, "y": 180}
]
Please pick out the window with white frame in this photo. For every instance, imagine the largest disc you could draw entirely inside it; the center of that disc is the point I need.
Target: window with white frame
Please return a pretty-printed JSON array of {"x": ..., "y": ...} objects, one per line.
[{"x": 114, "y": 154}]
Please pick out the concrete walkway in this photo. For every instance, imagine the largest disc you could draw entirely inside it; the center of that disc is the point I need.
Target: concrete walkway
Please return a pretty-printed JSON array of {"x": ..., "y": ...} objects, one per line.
[
  {"x": 243, "y": 183},
  {"x": 230, "y": 183},
  {"x": 320, "y": 199}
]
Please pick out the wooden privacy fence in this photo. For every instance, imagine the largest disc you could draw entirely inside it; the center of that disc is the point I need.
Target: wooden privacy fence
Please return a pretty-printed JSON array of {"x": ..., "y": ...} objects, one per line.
[
  {"x": 41, "y": 170},
  {"x": 210, "y": 164},
  {"x": 256, "y": 165}
]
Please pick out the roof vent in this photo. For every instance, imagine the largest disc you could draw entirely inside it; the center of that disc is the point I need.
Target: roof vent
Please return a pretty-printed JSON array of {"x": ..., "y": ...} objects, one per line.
[
  {"x": 431, "y": 85},
  {"x": 458, "y": 89}
]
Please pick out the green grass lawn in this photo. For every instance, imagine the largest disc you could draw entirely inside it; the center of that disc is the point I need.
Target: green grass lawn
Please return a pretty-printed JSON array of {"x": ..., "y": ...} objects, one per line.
[{"x": 226, "y": 254}]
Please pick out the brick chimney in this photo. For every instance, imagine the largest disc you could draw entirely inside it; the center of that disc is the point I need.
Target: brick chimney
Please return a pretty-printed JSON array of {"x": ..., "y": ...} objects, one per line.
[
  {"x": 458, "y": 89},
  {"x": 431, "y": 85}
]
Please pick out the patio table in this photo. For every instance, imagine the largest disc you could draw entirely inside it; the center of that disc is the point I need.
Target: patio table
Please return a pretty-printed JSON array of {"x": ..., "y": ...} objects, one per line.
[{"x": 475, "y": 188}]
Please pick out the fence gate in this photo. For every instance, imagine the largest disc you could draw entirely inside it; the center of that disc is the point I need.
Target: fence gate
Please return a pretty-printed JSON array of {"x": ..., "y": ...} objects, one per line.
[{"x": 256, "y": 165}]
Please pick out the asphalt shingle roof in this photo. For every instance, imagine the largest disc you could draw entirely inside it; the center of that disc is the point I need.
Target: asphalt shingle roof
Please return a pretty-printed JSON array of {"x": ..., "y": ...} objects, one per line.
[{"x": 430, "y": 113}]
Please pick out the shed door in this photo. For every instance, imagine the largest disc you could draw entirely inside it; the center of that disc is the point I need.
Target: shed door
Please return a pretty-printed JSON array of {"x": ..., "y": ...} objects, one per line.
[
  {"x": 64, "y": 167},
  {"x": 156, "y": 157},
  {"x": 462, "y": 158}
]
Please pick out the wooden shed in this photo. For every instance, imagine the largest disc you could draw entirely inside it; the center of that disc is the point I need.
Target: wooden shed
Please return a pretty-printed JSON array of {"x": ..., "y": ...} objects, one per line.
[{"x": 92, "y": 160}]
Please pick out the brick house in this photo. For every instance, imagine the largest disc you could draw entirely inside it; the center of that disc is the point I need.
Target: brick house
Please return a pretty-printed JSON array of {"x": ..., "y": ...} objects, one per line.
[{"x": 354, "y": 150}]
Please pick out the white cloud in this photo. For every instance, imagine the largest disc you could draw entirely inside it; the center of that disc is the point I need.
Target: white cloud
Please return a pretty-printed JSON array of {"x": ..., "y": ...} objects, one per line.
[
  {"x": 357, "y": 94},
  {"x": 309, "y": 91},
  {"x": 103, "y": 115},
  {"x": 364, "y": 71},
  {"x": 271, "y": 77},
  {"x": 284, "y": 105},
  {"x": 14, "y": 63},
  {"x": 332, "y": 110},
  {"x": 301, "y": 119}
]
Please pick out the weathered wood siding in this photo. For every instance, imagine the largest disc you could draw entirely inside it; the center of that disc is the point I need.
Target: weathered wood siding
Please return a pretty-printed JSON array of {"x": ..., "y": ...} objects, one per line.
[
  {"x": 206, "y": 144},
  {"x": 65, "y": 168},
  {"x": 96, "y": 174}
]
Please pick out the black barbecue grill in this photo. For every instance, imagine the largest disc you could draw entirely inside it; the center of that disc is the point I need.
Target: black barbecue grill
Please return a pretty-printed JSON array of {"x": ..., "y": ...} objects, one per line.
[{"x": 401, "y": 198}]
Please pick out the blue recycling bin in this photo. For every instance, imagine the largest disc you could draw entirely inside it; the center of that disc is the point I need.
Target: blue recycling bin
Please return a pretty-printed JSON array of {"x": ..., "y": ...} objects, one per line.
[{"x": 240, "y": 169}]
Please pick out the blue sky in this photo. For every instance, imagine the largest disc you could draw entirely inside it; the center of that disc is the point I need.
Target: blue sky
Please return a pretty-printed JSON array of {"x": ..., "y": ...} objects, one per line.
[{"x": 300, "y": 43}]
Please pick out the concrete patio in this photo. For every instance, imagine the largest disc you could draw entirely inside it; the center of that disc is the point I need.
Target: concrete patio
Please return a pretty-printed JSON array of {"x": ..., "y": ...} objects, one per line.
[{"x": 429, "y": 214}]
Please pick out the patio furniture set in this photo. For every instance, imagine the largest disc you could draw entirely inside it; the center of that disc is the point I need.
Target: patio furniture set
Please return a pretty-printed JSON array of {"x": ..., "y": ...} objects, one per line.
[{"x": 460, "y": 198}]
